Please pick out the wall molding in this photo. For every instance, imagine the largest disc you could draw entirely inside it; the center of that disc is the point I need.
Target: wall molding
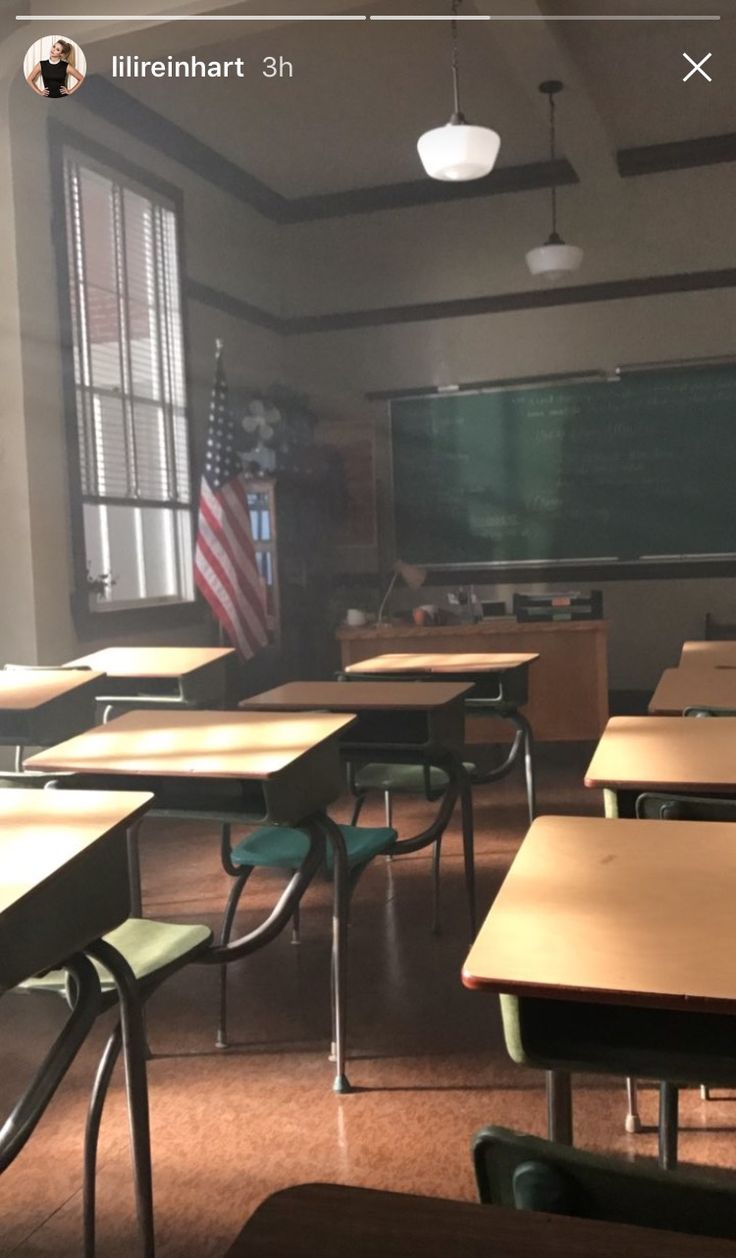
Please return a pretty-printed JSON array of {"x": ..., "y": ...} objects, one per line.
[
  {"x": 502, "y": 303},
  {"x": 234, "y": 306},
  {"x": 462, "y": 307},
  {"x": 121, "y": 109},
  {"x": 652, "y": 159}
]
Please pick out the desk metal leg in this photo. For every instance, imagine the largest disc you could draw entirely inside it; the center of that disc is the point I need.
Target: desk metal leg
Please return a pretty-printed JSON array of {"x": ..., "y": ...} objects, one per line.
[
  {"x": 668, "y": 1122},
  {"x": 134, "y": 1056},
  {"x": 134, "y": 870},
  {"x": 522, "y": 724},
  {"x": 559, "y": 1106},
  {"x": 466, "y": 806},
  {"x": 18, "y": 758},
  {"x": 633, "y": 1118},
  {"x": 92, "y": 1138},
  {"x": 436, "y": 853},
  {"x": 341, "y": 908},
  {"x": 523, "y": 737}
]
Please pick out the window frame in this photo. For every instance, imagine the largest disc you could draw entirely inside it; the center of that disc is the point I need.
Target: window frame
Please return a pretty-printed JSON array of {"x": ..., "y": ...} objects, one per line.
[{"x": 169, "y": 613}]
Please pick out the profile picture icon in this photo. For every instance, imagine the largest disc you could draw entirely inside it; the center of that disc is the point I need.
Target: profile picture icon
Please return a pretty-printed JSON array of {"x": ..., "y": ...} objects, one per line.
[{"x": 54, "y": 66}]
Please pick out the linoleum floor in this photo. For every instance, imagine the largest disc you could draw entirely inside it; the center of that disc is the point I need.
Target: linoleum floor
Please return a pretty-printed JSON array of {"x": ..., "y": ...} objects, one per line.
[{"x": 426, "y": 1056}]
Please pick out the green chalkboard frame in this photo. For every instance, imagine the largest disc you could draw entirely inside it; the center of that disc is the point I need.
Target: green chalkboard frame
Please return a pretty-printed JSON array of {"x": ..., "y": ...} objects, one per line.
[{"x": 580, "y": 503}]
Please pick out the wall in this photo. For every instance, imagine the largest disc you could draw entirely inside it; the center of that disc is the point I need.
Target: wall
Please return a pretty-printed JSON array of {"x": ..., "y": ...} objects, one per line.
[
  {"x": 657, "y": 225},
  {"x": 17, "y": 612},
  {"x": 227, "y": 247}
]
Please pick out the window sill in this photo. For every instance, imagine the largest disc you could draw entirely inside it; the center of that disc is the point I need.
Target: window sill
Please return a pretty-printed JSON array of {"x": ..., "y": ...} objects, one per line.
[
  {"x": 140, "y": 605},
  {"x": 116, "y": 621}
]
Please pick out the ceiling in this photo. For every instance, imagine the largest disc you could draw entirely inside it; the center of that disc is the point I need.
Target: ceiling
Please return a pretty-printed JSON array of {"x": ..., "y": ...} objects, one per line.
[{"x": 363, "y": 92}]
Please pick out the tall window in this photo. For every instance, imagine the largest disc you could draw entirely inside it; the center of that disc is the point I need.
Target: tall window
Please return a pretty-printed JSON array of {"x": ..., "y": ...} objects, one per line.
[{"x": 125, "y": 294}]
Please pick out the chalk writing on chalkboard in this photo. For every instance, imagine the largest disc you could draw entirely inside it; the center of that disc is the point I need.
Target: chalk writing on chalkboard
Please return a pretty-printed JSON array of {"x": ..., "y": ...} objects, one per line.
[{"x": 637, "y": 469}]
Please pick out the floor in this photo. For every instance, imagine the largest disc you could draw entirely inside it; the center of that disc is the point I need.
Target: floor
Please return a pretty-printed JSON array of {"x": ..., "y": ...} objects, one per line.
[{"x": 426, "y": 1056}]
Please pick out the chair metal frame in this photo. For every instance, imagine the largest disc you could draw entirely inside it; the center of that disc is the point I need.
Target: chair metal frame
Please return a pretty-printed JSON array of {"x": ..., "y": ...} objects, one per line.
[
  {"x": 29, "y": 1109},
  {"x": 458, "y": 787}
]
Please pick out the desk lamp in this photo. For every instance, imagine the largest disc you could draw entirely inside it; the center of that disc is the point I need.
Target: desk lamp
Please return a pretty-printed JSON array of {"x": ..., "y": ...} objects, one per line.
[{"x": 414, "y": 577}]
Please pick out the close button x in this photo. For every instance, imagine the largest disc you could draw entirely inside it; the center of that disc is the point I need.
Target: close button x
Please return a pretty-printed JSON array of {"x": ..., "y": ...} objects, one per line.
[{"x": 697, "y": 67}]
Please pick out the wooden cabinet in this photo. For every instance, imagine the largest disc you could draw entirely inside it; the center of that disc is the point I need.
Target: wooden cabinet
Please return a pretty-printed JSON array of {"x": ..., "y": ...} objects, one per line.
[
  {"x": 291, "y": 518},
  {"x": 568, "y": 684}
]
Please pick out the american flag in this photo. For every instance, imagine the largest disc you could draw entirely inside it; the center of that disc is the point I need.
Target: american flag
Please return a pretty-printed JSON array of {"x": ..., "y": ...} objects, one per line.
[{"x": 225, "y": 567}]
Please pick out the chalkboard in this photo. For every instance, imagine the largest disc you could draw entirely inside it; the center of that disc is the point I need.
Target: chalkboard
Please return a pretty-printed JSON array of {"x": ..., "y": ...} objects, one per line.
[{"x": 639, "y": 468}]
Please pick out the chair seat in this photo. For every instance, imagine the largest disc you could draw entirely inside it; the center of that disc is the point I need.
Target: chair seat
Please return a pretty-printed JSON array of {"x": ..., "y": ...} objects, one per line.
[
  {"x": 148, "y": 947},
  {"x": 408, "y": 778},
  {"x": 278, "y": 847}
]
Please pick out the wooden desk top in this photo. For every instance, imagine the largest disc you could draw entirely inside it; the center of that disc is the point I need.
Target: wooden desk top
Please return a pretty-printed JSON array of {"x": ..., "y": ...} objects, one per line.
[
  {"x": 329, "y": 1221},
  {"x": 631, "y": 912},
  {"x": 153, "y": 661},
  {"x": 174, "y": 743},
  {"x": 710, "y": 654},
  {"x": 680, "y": 688},
  {"x": 54, "y": 847},
  {"x": 358, "y": 696},
  {"x": 443, "y": 662},
  {"x": 24, "y": 691},
  {"x": 41, "y": 831},
  {"x": 665, "y": 752}
]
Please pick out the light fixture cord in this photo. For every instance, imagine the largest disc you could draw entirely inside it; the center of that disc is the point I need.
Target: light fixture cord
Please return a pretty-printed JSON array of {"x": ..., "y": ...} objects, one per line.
[
  {"x": 552, "y": 154},
  {"x": 457, "y": 115}
]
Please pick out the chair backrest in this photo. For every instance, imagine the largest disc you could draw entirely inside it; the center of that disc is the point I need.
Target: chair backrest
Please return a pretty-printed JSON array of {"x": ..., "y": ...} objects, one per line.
[
  {"x": 700, "y": 711},
  {"x": 718, "y": 630},
  {"x": 47, "y": 668},
  {"x": 30, "y": 781},
  {"x": 658, "y": 806},
  {"x": 527, "y": 1173}
]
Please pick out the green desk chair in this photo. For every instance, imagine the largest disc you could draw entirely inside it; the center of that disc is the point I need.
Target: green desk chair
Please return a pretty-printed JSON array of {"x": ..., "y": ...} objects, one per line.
[
  {"x": 659, "y": 806},
  {"x": 700, "y": 711},
  {"x": 148, "y": 952},
  {"x": 427, "y": 780},
  {"x": 564, "y": 1036},
  {"x": 527, "y": 1173},
  {"x": 430, "y": 780},
  {"x": 679, "y": 808},
  {"x": 434, "y": 783},
  {"x": 279, "y": 847},
  {"x": 153, "y": 951}
]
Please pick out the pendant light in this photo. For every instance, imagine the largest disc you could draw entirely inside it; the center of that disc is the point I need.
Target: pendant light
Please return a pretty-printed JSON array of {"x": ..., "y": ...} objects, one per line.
[
  {"x": 458, "y": 151},
  {"x": 554, "y": 259}
]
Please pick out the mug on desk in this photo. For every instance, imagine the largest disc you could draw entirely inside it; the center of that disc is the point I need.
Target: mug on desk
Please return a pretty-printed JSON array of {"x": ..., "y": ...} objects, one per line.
[{"x": 355, "y": 617}]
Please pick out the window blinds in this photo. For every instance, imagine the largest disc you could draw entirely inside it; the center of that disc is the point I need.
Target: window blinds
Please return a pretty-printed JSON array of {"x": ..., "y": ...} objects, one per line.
[{"x": 127, "y": 340}]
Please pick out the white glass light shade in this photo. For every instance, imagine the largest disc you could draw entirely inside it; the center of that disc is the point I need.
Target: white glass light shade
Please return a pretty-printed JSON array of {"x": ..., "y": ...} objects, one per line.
[
  {"x": 554, "y": 261},
  {"x": 458, "y": 152}
]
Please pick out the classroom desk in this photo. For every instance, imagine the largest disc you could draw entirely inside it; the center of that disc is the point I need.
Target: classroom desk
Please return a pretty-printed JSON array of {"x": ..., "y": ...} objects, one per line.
[
  {"x": 653, "y": 753},
  {"x": 500, "y": 689},
  {"x": 417, "y": 722},
  {"x": 681, "y": 688},
  {"x": 38, "y": 708},
  {"x": 709, "y": 654},
  {"x": 625, "y": 913},
  {"x": 227, "y": 768},
  {"x": 54, "y": 847},
  {"x": 330, "y": 1220},
  {"x": 568, "y": 692},
  {"x": 193, "y": 676}
]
